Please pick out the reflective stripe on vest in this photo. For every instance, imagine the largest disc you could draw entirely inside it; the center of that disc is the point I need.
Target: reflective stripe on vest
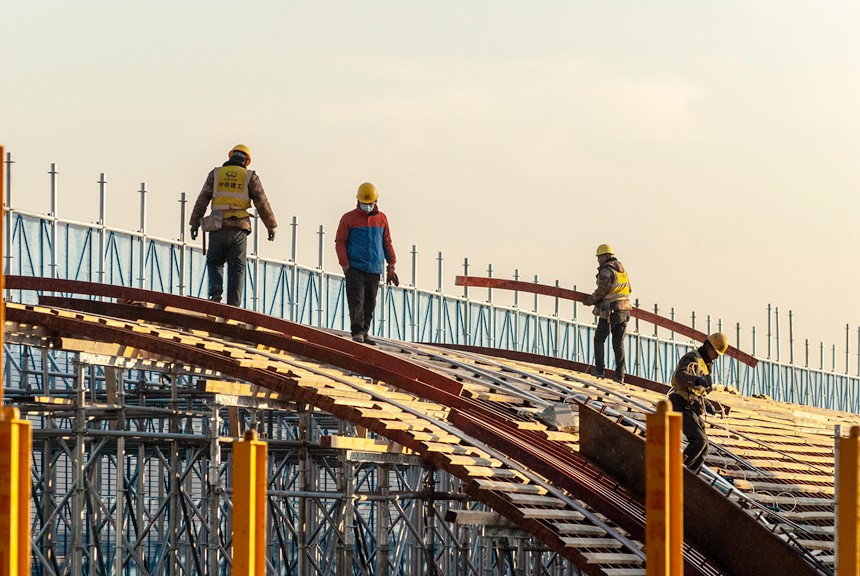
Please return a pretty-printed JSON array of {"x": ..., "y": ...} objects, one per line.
[
  {"x": 230, "y": 191},
  {"x": 621, "y": 288}
]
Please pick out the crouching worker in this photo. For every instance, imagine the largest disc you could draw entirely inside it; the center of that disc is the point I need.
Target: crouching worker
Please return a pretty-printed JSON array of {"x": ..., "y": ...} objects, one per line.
[{"x": 691, "y": 383}]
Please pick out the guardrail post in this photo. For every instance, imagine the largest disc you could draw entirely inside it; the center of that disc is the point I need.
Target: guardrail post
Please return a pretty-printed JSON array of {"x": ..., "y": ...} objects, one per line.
[
  {"x": 664, "y": 497},
  {"x": 848, "y": 500},
  {"x": 249, "y": 506}
]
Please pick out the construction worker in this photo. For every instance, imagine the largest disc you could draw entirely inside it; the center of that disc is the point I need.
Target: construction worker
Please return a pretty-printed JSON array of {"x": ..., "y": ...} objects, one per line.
[
  {"x": 230, "y": 188},
  {"x": 611, "y": 301},
  {"x": 363, "y": 244},
  {"x": 691, "y": 382}
]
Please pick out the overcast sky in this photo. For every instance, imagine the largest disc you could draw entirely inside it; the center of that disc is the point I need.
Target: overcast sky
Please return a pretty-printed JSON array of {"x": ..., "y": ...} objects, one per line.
[{"x": 714, "y": 145}]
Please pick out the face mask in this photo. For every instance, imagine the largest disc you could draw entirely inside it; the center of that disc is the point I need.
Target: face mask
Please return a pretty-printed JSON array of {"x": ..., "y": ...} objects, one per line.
[{"x": 367, "y": 207}]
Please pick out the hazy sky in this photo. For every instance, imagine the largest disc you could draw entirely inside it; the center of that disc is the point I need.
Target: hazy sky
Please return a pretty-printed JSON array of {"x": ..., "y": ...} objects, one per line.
[{"x": 715, "y": 145}]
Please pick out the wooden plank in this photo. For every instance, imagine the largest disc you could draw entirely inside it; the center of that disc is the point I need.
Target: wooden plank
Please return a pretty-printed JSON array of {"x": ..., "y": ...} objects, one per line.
[
  {"x": 592, "y": 543},
  {"x": 580, "y": 529},
  {"x": 360, "y": 444},
  {"x": 542, "y": 514},
  {"x": 481, "y": 471},
  {"x": 476, "y": 518},
  {"x": 508, "y": 487},
  {"x": 463, "y": 460},
  {"x": 611, "y": 558},
  {"x": 535, "y": 500},
  {"x": 556, "y": 436},
  {"x": 233, "y": 388}
]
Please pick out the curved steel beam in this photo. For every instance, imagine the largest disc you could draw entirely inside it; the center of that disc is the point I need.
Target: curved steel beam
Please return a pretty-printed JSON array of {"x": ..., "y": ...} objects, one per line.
[{"x": 567, "y": 294}]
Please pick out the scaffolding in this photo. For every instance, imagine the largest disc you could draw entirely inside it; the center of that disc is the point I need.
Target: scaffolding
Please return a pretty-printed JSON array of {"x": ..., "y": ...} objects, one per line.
[{"x": 131, "y": 475}]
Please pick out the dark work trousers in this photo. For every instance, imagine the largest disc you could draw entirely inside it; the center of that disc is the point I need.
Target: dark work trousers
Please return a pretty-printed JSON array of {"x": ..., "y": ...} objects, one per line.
[
  {"x": 361, "y": 289},
  {"x": 617, "y": 324},
  {"x": 694, "y": 429},
  {"x": 227, "y": 245}
]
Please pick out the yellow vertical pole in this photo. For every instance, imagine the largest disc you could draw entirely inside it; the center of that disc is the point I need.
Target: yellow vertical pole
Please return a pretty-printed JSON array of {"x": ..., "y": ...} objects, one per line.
[
  {"x": 249, "y": 506},
  {"x": 848, "y": 498},
  {"x": 664, "y": 493},
  {"x": 15, "y": 440}
]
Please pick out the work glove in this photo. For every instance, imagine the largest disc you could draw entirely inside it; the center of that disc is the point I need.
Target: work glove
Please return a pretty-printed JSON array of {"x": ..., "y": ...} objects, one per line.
[
  {"x": 703, "y": 382},
  {"x": 709, "y": 408},
  {"x": 391, "y": 276},
  {"x": 271, "y": 234},
  {"x": 194, "y": 233}
]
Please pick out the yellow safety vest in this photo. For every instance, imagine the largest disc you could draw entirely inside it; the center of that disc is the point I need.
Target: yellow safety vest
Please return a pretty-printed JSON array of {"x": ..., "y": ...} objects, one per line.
[
  {"x": 230, "y": 191},
  {"x": 621, "y": 288}
]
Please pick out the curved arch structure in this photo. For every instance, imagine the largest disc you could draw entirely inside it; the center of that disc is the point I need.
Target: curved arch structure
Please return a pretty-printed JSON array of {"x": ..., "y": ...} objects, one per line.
[{"x": 468, "y": 414}]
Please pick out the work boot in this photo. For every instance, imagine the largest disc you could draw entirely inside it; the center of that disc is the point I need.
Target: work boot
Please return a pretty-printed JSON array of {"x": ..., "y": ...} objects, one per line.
[
  {"x": 598, "y": 372},
  {"x": 367, "y": 340},
  {"x": 358, "y": 338},
  {"x": 619, "y": 377},
  {"x": 215, "y": 297}
]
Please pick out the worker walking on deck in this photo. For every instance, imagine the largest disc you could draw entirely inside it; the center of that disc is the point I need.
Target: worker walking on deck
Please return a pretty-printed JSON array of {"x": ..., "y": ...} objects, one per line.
[
  {"x": 230, "y": 188},
  {"x": 691, "y": 383},
  {"x": 363, "y": 245},
  {"x": 611, "y": 301}
]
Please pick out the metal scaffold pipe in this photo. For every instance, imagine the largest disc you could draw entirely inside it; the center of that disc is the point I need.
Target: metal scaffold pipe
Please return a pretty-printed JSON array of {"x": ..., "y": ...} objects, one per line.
[{"x": 142, "y": 255}]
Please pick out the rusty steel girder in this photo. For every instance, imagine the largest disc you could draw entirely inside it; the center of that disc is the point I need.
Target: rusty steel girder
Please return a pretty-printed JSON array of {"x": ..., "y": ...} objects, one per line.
[{"x": 567, "y": 294}]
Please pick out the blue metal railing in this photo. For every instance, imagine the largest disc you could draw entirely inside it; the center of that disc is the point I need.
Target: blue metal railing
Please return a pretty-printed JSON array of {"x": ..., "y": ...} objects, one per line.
[{"x": 46, "y": 246}]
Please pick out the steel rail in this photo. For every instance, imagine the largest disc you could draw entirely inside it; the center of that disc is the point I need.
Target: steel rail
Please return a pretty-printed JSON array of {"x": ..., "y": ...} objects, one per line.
[{"x": 567, "y": 294}]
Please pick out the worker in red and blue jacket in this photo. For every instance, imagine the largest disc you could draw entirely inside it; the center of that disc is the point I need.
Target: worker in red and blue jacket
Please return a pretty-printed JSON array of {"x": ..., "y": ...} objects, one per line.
[{"x": 363, "y": 245}]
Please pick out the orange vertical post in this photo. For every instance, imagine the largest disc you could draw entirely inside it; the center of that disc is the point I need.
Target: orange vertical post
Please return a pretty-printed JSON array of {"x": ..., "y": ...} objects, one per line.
[
  {"x": 848, "y": 499},
  {"x": 664, "y": 493},
  {"x": 15, "y": 440},
  {"x": 249, "y": 506}
]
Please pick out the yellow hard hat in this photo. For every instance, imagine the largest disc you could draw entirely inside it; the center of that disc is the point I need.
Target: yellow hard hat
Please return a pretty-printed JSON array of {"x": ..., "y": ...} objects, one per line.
[
  {"x": 243, "y": 149},
  {"x": 719, "y": 341},
  {"x": 604, "y": 249},
  {"x": 367, "y": 193}
]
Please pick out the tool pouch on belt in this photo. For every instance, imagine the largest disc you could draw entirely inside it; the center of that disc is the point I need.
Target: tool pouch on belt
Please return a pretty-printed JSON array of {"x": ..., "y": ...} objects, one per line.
[{"x": 212, "y": 222}]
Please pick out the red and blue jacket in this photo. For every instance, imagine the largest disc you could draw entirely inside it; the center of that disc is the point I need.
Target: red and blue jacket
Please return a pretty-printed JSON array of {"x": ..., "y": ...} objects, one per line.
[{"x": 363, "y": 241}]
